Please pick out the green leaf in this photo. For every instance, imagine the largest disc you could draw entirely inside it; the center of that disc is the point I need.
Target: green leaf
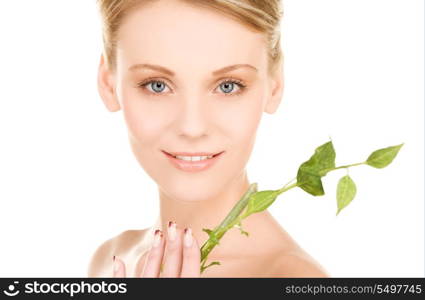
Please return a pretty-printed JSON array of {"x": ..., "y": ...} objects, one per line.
[
  {"x": 383, "y": 157},
  {"x": 345, "y": 192},
  {"x": 259, "y": 201},
  {"x": 212, "y": 235},
  {"x": 211, "y": 264},
  {"x": 311, "y": 182},
  {"x": 239, "y": 226},
  {"x": 207, "y": 230},
  {"x": 320, "y": 163}
]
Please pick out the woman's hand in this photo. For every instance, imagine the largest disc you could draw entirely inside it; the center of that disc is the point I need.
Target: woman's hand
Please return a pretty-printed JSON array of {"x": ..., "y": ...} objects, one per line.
[{"x": 182, "y": 255}]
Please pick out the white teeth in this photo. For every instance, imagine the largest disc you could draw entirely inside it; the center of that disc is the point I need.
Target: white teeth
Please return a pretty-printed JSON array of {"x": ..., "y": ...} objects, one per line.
[{"x": 193, "y": 158}]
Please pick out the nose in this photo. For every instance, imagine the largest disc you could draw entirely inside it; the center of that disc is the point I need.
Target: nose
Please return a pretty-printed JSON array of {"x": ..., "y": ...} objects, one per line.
[{"x": 192, "y": 117}]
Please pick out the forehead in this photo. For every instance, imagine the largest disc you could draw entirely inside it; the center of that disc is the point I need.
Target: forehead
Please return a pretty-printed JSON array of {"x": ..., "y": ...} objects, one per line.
[{"x": 183, "y": 36}]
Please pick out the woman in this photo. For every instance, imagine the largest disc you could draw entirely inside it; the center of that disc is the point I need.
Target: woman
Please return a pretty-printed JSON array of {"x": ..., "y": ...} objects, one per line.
[{"x": 193, "y": 79}]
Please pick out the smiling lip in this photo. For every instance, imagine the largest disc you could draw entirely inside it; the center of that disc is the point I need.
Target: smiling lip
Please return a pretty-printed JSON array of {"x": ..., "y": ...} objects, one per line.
[
  {"x": 192, "y": 153},
  {"x": 193, "y": 166}
]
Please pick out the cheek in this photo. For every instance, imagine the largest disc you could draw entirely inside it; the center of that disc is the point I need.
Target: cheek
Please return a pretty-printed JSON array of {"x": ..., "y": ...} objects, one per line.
[
  {"x": 145, "y": 119},
  {"x": 241, "y": 121}
]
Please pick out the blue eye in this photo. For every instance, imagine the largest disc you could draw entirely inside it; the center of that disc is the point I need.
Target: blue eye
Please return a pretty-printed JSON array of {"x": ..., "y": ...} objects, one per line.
[
  {"x": 157, "y": 86},
  {"x": 227, "y": 86}
]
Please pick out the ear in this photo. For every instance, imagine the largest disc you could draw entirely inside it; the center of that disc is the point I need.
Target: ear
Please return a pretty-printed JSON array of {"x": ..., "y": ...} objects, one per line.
[
  {"x": 105, "y": 86},
  {"x": 276, "y": 91}
]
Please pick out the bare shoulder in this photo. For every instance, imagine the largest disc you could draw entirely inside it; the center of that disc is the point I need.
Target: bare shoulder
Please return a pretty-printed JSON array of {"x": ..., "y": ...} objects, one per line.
[
  {"x": 288, "y": 258},
  {"x": 100, "y": 264},
  {"x": 298, "y": 264}
]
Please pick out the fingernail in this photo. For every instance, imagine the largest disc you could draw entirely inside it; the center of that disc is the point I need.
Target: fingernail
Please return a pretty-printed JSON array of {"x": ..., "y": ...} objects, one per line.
[
  {"x": 172, "y": 231},
  {"x": 188, "y": 237},
  {"x": 116, "y": 265},
  {"x": 157, "y": 238}
]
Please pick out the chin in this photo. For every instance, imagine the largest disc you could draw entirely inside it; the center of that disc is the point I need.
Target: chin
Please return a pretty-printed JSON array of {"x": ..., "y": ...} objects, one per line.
[{"x": 193, "y": 190}]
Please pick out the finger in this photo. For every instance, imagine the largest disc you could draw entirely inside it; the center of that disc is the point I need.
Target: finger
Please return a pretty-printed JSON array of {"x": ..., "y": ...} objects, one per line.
[
  {"x": 141, "y": 264},
  {"x": 191, "y": 256},
  {"x": 153, "y": 261},
  {"x": 173, "y": 251},
  {"x": 119, "y": 267}
]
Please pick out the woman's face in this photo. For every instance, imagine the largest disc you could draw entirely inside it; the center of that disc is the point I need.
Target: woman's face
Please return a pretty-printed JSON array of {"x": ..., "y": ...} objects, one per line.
[{"x": 173, "y": 61}]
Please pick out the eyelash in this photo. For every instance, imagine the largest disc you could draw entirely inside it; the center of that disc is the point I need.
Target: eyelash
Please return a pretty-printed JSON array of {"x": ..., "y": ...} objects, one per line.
[{"x": 238, "y": 82}]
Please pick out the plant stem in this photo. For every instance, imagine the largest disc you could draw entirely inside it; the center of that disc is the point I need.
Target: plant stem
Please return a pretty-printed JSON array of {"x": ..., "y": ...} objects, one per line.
[
  {"x": 284, "y": 189},
  {"x": 340, "y": 167},
  {"x": 227, "y": 222}
]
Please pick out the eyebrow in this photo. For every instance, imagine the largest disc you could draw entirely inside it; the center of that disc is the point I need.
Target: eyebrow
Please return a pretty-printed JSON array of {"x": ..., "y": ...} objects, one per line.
[{"x": 171, "y": 73}]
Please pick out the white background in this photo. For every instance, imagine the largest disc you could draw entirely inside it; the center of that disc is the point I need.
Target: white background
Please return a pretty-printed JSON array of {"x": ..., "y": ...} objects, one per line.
[{"x": 353, "y": 72}]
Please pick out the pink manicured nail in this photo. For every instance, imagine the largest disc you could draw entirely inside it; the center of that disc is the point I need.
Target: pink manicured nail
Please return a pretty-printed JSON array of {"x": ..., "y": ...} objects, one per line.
[
  {"x": 157, "y": 238},
  {"x": 116, "y": 265},
  {"x": 188, "y": 237},
  {"x": 172, "y": 230}
]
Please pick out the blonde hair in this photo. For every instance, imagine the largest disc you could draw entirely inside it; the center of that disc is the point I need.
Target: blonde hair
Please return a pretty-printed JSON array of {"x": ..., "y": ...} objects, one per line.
[{"x": 263, "y": 16}]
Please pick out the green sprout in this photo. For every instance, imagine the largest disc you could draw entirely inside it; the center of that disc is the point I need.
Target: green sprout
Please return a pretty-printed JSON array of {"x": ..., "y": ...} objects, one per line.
[{"x": 309, "y": 179}]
